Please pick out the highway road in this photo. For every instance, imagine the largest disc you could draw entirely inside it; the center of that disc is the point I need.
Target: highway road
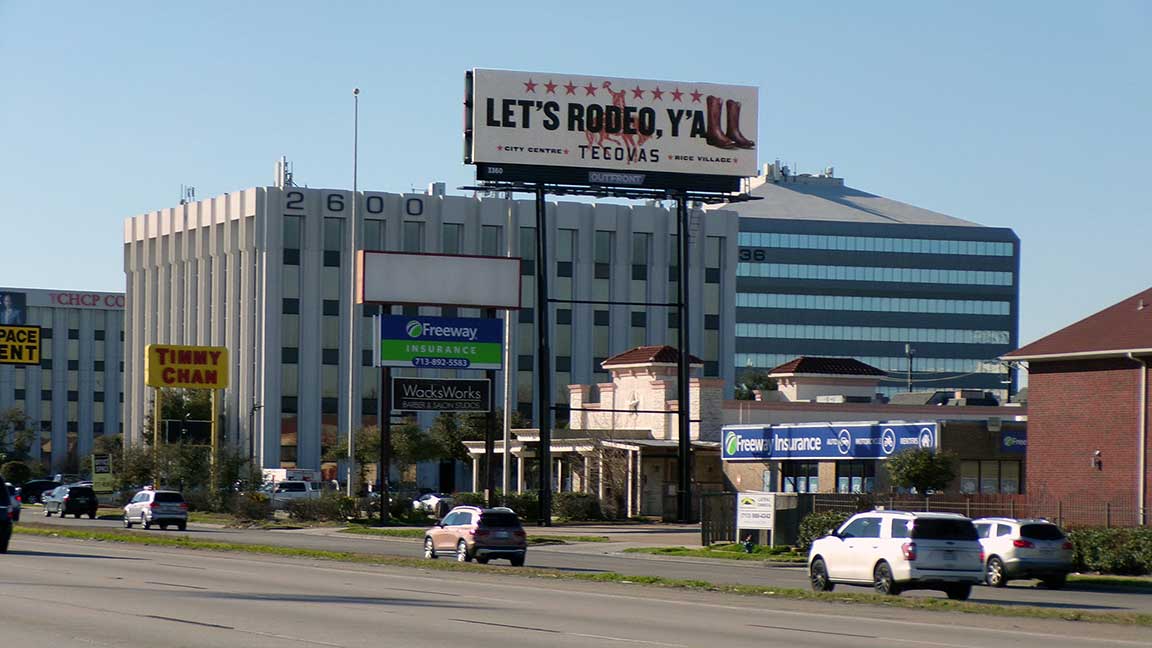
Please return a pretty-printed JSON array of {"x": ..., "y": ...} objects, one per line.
[
  {"x": 59, "y": 592},
  {"x": 606, "y": 557}
]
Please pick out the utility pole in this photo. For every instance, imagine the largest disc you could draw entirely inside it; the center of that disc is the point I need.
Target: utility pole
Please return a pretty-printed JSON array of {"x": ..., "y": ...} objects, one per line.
[{"x": 909, "y": 352}]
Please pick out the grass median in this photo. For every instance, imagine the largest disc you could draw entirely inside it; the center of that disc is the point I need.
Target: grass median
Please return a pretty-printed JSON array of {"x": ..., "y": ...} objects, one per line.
[
  {"x": 918, "y": 603},
  {"x": 418, "y": 534},
  {"x": 725, "y": 552}
]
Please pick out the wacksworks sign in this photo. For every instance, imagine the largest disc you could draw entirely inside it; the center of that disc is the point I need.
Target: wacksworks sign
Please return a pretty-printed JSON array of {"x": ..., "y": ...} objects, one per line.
[
  {"x": 825, "y": 441},
  {"x": 441, "y": 395},
  {"x": 607, "y": 130}
]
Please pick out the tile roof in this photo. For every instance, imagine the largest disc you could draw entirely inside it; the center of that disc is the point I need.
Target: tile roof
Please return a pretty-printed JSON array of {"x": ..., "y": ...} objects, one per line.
[
  {"x": 649, "y": 354},
  {"x": 834, "y": 366},
  {"x": 1122, "y": 327}
]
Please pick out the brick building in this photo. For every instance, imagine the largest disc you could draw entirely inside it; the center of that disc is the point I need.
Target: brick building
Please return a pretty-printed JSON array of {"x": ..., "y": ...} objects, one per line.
[{"x": 1088, "y": 402}]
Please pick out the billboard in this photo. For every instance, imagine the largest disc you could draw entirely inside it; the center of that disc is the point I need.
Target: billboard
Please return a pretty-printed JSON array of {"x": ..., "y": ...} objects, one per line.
[
  {"x": 824, "y": 440},
  {"x": 13, "y": 308},
  {"x": 441, "y": 342},
  {"x": 595, "y": 130},
  {"x": 20, "y": 345},
  {"x": 438, "y": 280},
  {"x": 193, "y": 367},
  {"x": 441, "y": 395},
  {"x": 755, "y": 510}
]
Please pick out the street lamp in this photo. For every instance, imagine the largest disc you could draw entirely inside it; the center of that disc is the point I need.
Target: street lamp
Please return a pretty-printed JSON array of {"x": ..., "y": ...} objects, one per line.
[
  {"x": 909, "y": 351},
  {"x": 252, "y": 431}
]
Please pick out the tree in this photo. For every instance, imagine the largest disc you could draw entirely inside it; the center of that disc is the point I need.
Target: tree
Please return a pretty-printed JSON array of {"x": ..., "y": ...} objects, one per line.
[
  {"x": 16, "y": 434},
  {"x": 450, "y": 430},
  {"x": 751, "y": 380},
  {"x": 922, "y": 469},
  {"x": 180, "y": 405},
  {"x": 410, "y": 445},
  {"x": 16, "y": 472}
]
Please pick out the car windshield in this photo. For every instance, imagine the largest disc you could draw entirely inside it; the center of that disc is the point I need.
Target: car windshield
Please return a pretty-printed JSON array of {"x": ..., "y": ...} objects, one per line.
[
  {"x": 80, "y": 490},
  {"x": 292, "y": 487},
  {"x": 169, "y": 497},
  {"x": 943, "y": 529},
  {"x": 1041, "y": 532},
  {"x": 500, "y": 520}
]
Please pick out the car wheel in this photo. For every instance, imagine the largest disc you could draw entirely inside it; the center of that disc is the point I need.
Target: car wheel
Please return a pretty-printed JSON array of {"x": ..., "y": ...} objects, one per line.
[
  {"x": 994, "y": 573},
  {"x": 92, "y": 515},
  {"x": 959, "y": 592},
  {"x": 145, "y": 522},
  {"x": 47, "y": 513},
  {"x": 1055, "y": 582},
  {"x": 482, "y": 561},
  {"x": 163, "y": 527},
  {"x": 181, "y": 526},
  {"x": 127, "y": 522},
  {"x": 818, "y": 575},
  {"x": 4, "y": 545},
  {"x": 16, "y": 518},
  {"x": 462, "y": 552},
  {"x": 517, "y": 560},
  {"x": 882, "y": 580},
  {"x": 429, "y": 549}
]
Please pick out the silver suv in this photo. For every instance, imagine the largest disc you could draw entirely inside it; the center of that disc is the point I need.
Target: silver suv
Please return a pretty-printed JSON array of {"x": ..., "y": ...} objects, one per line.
[
  {"x": 161, "y": 507},
  {"x": 1024, "y": 548},
  {"x": 893, "y": 551}
]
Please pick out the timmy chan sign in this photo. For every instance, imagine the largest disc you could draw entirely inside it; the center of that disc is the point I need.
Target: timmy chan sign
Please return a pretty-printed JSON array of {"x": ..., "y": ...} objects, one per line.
[
  {"x": 598, "y": 130},
  {"x": 824, "y": 440},
  {"x": 194, "y": 367}
]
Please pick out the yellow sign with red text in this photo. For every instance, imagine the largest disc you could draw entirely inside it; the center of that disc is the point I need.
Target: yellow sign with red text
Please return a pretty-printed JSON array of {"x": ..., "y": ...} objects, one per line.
[{"x": 192, "y": 367}]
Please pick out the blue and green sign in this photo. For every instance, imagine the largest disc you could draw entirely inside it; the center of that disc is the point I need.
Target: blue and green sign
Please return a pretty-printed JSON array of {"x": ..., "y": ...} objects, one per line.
[
  {"x": 824, "y": 441},
  {"x": 441, "y": 342}
]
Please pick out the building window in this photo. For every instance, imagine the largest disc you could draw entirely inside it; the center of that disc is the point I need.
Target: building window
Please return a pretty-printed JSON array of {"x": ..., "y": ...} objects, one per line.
[
  {"x": 373, "y": 234},
  {"x": 329, "y": 405},
  {"x": 46, "y": 363},
  {"x": 332, "y": 307},
  {"x": 525, "y": 409},
  {"x": 990, "y": 477},
  {"x": 527, "y": 316},
  {"x": 73, "y": 426},
  {"x": 368, "y": 406},
  {"x": 712, "y": 322},
  {"x": 366, "y": 357},
  {"x": 98, "y": 335},
  {"x": 564, "y": 269},
  {"x": 874, "y": 244},
  {"x": 564, "y": 363},
  {"x": 799, "y": 477},
  {"x": 413, "y": 236},
  {"x": 290, "y": 306},
  {"x": 98, "y": 397},
  {"x": 98, "y": 366},
  {"x": 288, "y": 404},
  {"x": 564, "y": 316},
  {"x": 602, "y": 255},
  {"x": 870, "y": 333},
  {"x": 73, "y": 365},
  {"x": 452, "y": 238},
  {"x": 330, "y": 356},
  {"x": 855, "y": 476},
  {"x": 490, "y": 240},
  {"x": 331, "y": 258},
  {"x": 527, "y": 251},
  {"x": 524, "y": 362},
  {"x": 73, "y": 396},
  {"x": 600, "y": 318},
  {"x": 46, "y": 334},
  {"x": 289, "y": 355},
  {"x": 640, "y": 319},
  {"x": 673, "y": 320},
  {"x": 293, "y": 234},
  {"x": 711, "y": 368},
  {"x": 712, "y": 275},
  {"x": 291, "y": 257},
  {"x": 874, "y": 274},
  {"x": 73, "y": 334},
  {"x": 19, "y": 394}
]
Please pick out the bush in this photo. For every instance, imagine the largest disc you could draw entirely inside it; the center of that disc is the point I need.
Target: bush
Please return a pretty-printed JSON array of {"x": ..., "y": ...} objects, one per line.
[
  {"x": 576, "y": 506},
  {"x": 816, "y": 525},
  {"x": 526, "y": 505},
  {"x": 469, "y": 499},
  {"x": 328, "y": 508},
  {"x": 1112, "y": 551},
  {"x": 16, "y": 472},
  {"x": 251, "y": 507}
]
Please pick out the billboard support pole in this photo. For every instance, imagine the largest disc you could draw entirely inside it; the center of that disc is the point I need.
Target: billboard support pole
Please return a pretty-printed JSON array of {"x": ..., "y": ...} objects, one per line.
[
  {"x": 215, "y": 459},
  {"x": 353, "y": 341},
  {"x": 683, "y": 368},
  {"x": 156, "y": 422},
  {"x": 385, "y": 441},
  {"x": 490, "y": 434},
  {"x": 543, "y": 358}
]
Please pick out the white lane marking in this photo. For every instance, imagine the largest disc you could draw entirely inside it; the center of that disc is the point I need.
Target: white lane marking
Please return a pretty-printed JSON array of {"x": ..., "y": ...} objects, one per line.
[{"x": 623, "y": 639}]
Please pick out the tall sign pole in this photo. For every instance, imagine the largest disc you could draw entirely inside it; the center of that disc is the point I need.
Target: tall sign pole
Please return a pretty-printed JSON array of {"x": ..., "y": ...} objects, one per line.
[
  {"x": 683, "y": 369},
  {"x": 353, "y": 341},
  {"x": 543, "y": 361},
  {"x": 506, "y": 463}
]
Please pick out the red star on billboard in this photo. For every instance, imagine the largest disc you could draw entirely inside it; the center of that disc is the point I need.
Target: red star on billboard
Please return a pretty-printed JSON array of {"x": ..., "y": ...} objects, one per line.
[
  {"x": 637, "y": 93},
  {"x": 657, "y": 93},
  {"x": 570, "y": 87},
  {"x": 550, "y": 87},
  {"x": 590, "y": 89},
  {"x": 677, "y": 95},
  {"x": 696, "y": 94},
  {"x": 529, "y": 86}
]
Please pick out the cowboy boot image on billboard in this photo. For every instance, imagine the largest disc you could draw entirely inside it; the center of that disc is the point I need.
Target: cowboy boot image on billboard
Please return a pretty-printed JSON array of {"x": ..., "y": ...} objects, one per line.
[
  {"x": 715, "y": 133},
  {"x": 734, "y": 133}
]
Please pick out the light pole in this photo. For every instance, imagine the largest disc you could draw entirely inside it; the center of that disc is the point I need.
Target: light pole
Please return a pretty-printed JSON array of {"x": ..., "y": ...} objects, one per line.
[
  {"x": 353, "y": 341},
  {"x": 252, "y": 432},
  {"x": 909, "y": 352}
]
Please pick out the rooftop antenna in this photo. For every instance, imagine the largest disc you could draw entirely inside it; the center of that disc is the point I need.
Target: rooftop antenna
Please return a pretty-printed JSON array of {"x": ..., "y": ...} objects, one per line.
[
  {"x": 187, "y": 194},
  {"x": 284, "y": 173}
]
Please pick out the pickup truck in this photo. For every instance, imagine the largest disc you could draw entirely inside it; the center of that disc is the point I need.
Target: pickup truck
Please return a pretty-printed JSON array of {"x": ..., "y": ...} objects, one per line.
[{"x": 286, "y": 491}]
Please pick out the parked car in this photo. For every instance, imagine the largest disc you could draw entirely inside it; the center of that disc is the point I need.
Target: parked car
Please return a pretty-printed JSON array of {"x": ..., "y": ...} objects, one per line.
[
  {"x": 483, "y": 534},
  {"x": 893, "y": 551},
  {"x": 1024, "y": 548},
  {"x": 71, "y": 500},
  {"x": 5, "y": 521},
  {"x": 34, "y": 489},
  {"x": 283, "y": 492},
  {"x": 432, "y": 503},
  {"x": 160, "y": 507},
  {"x": 14, "y": 502}
]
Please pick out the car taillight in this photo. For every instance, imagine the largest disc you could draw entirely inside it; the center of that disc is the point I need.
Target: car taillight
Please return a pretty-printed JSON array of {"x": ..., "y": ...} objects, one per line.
[
  {"x": 909, "y": 549},
  {"x": 19, "y": 499},
  {"x": 184, "y": 506},
  {"x": 1022, "y": 544},
  {"x": 981, "y": 555},
  {"x": 519, "y": 533},
  {"x": 1066, "y": 545},
  {"x": 153, "y": 505},
  {"x": 64, "y": 498},
  {"x": 479, "y": 532}
]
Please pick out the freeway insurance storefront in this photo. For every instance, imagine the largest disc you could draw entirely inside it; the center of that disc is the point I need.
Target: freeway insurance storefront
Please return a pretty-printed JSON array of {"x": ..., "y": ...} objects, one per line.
[{"x": 819, "y": 457}]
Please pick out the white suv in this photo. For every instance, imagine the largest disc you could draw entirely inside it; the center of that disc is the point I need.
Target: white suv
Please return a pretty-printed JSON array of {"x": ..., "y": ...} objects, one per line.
[
  {"x": 893, "y": 551},
  {"x": 160, "y": 507},
  {"x": 1028, "y": 548}
]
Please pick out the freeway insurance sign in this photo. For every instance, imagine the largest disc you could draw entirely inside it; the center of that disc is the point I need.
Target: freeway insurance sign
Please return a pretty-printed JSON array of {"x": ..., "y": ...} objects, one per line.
[{"x": 441, "y": 342}]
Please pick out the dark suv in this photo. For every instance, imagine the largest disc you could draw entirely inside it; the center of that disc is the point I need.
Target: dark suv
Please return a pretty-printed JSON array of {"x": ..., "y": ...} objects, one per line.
[
  {"x": 5, "y": 521},
  {"x": 74, "y": 500}
]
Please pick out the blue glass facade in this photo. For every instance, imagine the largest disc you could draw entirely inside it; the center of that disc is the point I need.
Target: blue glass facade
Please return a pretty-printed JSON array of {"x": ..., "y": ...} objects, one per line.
[{"x": 866, "y": 289}]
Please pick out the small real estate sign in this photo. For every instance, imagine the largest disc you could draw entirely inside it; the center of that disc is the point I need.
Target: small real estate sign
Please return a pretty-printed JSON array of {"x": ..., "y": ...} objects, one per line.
[
  {"x": 755, "y": 510},
  {"x": 441, "y": 395},
  {"x": 20, "y": 345},
  {"x": 192, "y": 367},
  {"x": 103, "y": 479},
  {"x": 441, "y": 342}
]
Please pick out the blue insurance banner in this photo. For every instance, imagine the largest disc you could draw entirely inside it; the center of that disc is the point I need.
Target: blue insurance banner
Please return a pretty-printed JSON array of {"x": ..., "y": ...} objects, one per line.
[
  {"x": 441, "y": 342},
  {"x": 1014, "y": 441},
  {"x": 824, "y": 441}
]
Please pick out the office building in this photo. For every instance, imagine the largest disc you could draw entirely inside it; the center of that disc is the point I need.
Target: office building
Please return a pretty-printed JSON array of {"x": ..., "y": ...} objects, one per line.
[
  {"x": 828, "y": 270},
  {"x": 266, "y": 272},
  {"x": 74, "y": 394}
]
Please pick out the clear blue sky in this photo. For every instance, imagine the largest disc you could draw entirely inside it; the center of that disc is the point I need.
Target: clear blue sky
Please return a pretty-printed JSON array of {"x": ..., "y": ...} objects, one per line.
[{"x": 1030, "y": 115}]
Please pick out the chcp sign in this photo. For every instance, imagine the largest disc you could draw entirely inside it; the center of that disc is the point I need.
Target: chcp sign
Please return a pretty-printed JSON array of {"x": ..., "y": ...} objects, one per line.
[
  {"x": 598, "y": 130},
  {"x": 194, "y": 367},
  {"x": 825, "y": 441}
]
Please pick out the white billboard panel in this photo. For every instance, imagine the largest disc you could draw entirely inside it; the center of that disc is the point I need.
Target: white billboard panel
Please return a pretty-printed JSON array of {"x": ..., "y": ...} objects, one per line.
[
  {"x": 439, "y": 280},
  {"x": 609, "y": 123}
]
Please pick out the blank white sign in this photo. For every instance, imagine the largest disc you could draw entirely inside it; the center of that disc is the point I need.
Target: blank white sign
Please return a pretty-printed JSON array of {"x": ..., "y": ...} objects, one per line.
[{"x": 439, "y": 280}]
